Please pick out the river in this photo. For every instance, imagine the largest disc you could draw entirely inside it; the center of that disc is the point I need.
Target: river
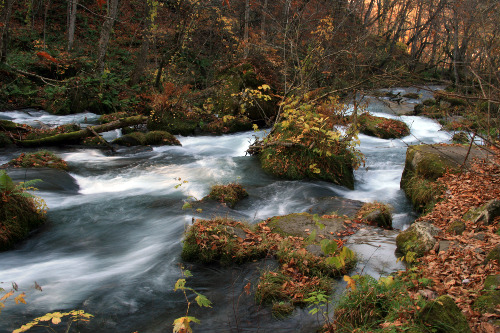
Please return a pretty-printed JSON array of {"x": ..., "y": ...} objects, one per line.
[{"x": 113, "y": 241}]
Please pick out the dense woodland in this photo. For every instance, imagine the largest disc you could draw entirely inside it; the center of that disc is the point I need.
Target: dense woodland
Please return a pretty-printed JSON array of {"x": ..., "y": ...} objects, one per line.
[{"x": 70, "y": 56}]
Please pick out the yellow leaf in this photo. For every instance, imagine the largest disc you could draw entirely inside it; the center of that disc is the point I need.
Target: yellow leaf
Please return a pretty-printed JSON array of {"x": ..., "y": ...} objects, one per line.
[
  {"x": 4, "y": 297},
  {"x": 351, "y": 283},
  {"x": 20, "y": 298},
  {"x": 56, "y": 321}
]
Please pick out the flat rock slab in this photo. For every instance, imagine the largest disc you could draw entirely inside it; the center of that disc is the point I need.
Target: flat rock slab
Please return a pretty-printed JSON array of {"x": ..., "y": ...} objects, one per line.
[
  {"x": 455, "y": 154},
  {"x": 302, "y": 224},
  {"x": 335, "y": 205}
]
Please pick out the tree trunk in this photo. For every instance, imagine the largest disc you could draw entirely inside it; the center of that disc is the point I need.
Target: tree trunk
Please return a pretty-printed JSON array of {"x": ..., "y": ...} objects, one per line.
[
  {"x": 245, "y": 32},
  {"x": 77, "y": 136},
  {"x": 141, "y": 60},
  {"x": 6, "y": 12},
  {"x": 72, "y": 5},
  {"x": 263, "y": 21},
  {"x": 107, "y": 26}
]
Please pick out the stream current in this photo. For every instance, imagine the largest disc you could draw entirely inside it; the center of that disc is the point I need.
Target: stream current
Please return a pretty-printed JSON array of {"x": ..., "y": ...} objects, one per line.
[{"x": 113, "y": 241}]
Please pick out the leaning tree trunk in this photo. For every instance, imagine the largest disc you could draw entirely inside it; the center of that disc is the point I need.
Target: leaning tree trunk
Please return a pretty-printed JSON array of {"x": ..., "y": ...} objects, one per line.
[
  {"x": 107, "y": 26},
  {"x": 77, "y": 136}
]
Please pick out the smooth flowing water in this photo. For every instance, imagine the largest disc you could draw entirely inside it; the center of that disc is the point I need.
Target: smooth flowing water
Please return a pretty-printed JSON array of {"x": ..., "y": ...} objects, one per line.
[{"x": 112, "y": 245}]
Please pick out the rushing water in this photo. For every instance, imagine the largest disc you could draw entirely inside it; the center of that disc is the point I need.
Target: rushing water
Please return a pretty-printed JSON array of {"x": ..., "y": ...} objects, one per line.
[{"x": 112, "y": 245}]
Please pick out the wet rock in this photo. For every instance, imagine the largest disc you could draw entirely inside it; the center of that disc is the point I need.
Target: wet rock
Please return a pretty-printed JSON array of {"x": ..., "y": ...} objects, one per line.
[
  {"x": 52, "y": 179},
  {"x": 335, "y": 205},
  {"x": 380, "y": 218},
  {"x": 315, "y": 250},
  {"x": 237, "y": 232},
  {"x": 443, "y": 316},
  {"x": 418, "y": 238},
  {"x": 302, "y": 224},
  {"x": 456, "y": 227}
]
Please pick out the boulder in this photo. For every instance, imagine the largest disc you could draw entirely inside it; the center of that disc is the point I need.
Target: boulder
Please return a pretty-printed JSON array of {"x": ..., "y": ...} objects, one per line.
[
  {"x": 493, "y": 255},
  {"x": 303, "y": 224},
  {"x": 426, "y": 163},
  {"x": 488, "y": 212},
  {"x": 443, "y": 316},
  {"x": 418, "y": 238},
  {"x": 381, "y": 127},
  {"x": 489, "y": 301},
  {"x": 456, "y": 227}
]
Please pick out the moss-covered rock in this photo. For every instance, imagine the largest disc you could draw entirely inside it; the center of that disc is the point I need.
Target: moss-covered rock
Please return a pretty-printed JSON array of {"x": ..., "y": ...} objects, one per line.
[
  {"x": 294, "y": 163},
  {"x": 161, "y": 138},
  {"x": 229, "y": 194},
  {"x": 39, "y": 159},
  {"x": 132, "y": 139},
  {"x": 425, "y": 164},
  {"x": 485, "y": 214},
  {"x": 418, "y": 238},
  {"x": 4, "y": 140},
  {"x": 456, "y": 227},
  {"x": 20, "y": 213},
  {"x": 493, "y": 255},
  {"x": 490, "y": 299},
  {"x": 443, "y": 316},
  {"x": 377, "y": 213},
  {"x": 380, "y": 127}
]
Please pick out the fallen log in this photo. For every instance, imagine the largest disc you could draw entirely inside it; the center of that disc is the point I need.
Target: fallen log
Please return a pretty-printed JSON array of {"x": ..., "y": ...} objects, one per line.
[{"x": 77, "y": 136}]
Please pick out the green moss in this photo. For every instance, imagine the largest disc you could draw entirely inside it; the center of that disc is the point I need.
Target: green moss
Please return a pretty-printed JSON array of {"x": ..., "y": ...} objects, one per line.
[
  {"x": 229, "y": 194},
  {"x": 294, "y": 163},
  {"x": 43, "y": 133},
  {"x": 494, "y": 254},
  {"x": 132, "y": 139},
  {"x": 4, "y": 140},
  {"x": 107, "y": 118},
  {"x": 161, "y": 138},
  {"x": 443, "y": 316},
  {"x": 282, "y": 310},
  {"x": 373, "y": 302},
  {"x": 7, "y": 125},
  {"x": 412, "y": 95},
  {"x": 377, "y": 213},
  {"x": 492, "y": 282},
  {"x": 460, "y": 137},
  {"x": 39, "y": 159},
  {"x": 19, "y": 216},
  {"x": 382, "y": 127},
  {"x": 456, "y": 227}
]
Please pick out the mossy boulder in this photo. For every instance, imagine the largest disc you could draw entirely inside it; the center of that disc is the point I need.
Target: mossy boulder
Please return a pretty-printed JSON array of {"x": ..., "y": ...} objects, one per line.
[
  {"x": 161, "y": 138},
  {"x": 442, "y": 315},
  {"x": 457, "y": 227},
  {"x": 494, "y": 254},
  {"x": 485, "y": 214},
  {"x": 425, "y": 164},
  {"x": 132, "y": 139},
  {"x": 380, "y": 127},
  {"x": 418, "y": 238},
  {"x": 490, "y": 299},
  {"x": 4, "y": 140},
  {"x": 376, "y": 213},
  {"x": 39, "y": 159},
  {"x": 293, "y": 162},
  {"x": 20, "y": 213},
  {"x": 229, "y": 194}
]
